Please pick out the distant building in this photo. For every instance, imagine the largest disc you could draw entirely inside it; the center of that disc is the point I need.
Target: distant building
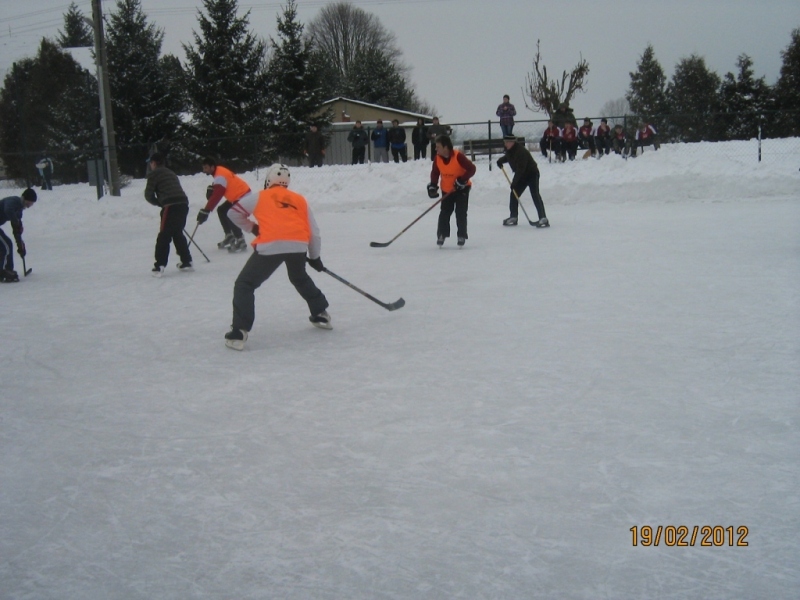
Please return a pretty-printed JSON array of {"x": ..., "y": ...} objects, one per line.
[{"x": 346, "y": 112}]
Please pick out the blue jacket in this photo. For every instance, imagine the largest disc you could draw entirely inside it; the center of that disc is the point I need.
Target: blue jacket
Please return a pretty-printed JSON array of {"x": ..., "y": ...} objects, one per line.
[
  {"x": 380, "y": 137},
  {"x": 11, "y": 210}
]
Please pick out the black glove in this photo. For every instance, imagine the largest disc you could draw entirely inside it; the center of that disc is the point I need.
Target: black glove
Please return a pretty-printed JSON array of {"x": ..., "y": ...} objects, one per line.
[
  {"x": 433, "y": 191},
  {"x": 499, "y": 164},
  {"x": 316, "y": 264},
  {"x": 21, "y": 248},
  {"x": 202, "y": 216},
  {"x": 254, "y": 230},
  {"x": 460, "y": 185},
  {"x": 209, "y": 191}
]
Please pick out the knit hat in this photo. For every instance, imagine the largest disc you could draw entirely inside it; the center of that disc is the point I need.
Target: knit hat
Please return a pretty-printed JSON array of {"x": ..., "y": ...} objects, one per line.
[{"x": 29, "y": 195}]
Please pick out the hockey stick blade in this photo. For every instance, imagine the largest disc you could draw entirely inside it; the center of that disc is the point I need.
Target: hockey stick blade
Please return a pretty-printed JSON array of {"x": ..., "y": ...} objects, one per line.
[
  {"x": 394, "y": 305},
  {"x": 379, "y": 244},
  {"x": 28, "y": 272}
]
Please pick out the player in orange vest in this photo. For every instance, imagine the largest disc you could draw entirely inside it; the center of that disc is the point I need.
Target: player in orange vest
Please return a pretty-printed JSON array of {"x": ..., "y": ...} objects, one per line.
[
  {"x": 285, "y": 232},
  {"x": 454, "y": 169},
  {"x": 233, "y": 188}
]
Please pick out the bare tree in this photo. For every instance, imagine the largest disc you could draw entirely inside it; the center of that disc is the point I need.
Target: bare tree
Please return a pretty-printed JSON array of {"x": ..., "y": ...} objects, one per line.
[
  {"x": 546, "y": 94},
  {"x": 615, "y": 108},
  {"x": 342, "y": 33}
]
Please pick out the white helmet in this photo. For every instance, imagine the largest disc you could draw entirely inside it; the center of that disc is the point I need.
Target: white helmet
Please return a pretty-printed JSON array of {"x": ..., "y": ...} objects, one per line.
[{"x": 277, "y": 175}]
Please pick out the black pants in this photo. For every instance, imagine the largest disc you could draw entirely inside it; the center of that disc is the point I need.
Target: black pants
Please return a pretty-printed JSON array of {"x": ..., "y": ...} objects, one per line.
[
  {"x": 603, "y": 145},
  {"x": 257, "y": 270},
  {"x": 554, "y": 145},
  {"x": 398, "y": 153},
  {"x": 173, "y": 220},
  {"x": 533, "y": 185},
  {"x": 358, "y": 155},
  {"x": 458, "y": 201},
  {"x": 315, "y": 160},
  {"x": 420, "y": 151},
  {"x": 228, "y": 226},
  {"x": 6, "y": 252}
]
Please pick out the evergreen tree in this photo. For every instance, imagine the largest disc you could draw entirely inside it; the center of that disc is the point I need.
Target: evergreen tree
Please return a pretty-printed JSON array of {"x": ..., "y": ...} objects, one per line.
[
  {"x": 145, "y": 108},
  {"x": 374, "y": 78},
  {"x": 226, "y": 86},
  {"x": 787, "y": 89},
  {"x": 745, "y": 98},
  {"x": 49, "y": 103},
  {"x": 295, "y": 95},
  {"x": 647, "y": 93},
  {"x": 692, "y": 96},
  {"x": 77, "y": 33}
]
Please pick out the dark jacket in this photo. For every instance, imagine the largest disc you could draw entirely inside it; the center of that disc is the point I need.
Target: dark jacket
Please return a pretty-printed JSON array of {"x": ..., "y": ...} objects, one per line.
[
  {"x": 163, "y": 188},
  {"x": 562, "y": 116},
  {"x": 397, "y": 137},
  {"x": 358, "y": 137},
  {"x": 315, "y": 143},
  {"x": 521, "y": 162},
  {"x": 419, "y": 135},
  {"x": 11, "y": 210},
  {"x": 435, "y": 130}
]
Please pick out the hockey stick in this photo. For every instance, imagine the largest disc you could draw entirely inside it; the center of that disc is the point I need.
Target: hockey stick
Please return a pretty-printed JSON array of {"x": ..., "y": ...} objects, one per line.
[
  {"x": 519, "y": 202},
  {"x": 191, "y": 239},
  {"x": 393, "y": 306},
  {"x": 430, "y": 208},
  {"x": 24, "y": 270}
]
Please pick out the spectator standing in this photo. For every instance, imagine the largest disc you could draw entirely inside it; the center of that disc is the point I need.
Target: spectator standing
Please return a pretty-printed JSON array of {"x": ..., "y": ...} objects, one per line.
[
  {"x": 506, "y": 112},
  {"x": 397, "y": 141},
  {"x": 45, "y": 167},
  {"x": 11, "y": 210},
  {"x": 526, "y": 175},
  {"x": 435, "y": 130},
  {"x": 380, "y": 142},
  {"x": 359, "y": 139},
  {"x": 286, "y": 232},
  {"x": 419, "y": 139},
  {"x": 226, "y": 184},
  {"x": 454, "y": 170},
  {"x": 315, "y": 146},
  {"x": 564, "y": 115},
  {"x": 163, "y": 189}
]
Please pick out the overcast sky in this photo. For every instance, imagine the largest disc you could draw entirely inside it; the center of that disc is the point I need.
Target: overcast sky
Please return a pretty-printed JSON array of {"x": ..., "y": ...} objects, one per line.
[{"x": 465, "y": 54}]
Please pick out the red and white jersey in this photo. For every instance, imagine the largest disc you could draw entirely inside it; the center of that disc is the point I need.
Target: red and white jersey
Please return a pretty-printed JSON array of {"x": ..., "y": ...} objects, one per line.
[
  {"x": 570, "y": 134},
  {"x": 646, "y": 133},
  {"x": 586, "y": 131}
]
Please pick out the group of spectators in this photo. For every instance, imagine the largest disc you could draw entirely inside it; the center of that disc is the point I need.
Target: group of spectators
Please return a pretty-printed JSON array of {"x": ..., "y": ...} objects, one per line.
[
  {"x": 393, "y": 140},
  {"x": 562, "y": 138}
]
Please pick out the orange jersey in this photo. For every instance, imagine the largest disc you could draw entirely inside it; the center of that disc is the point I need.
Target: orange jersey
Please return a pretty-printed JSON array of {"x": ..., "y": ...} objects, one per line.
[{"x": 282, "y": 215}]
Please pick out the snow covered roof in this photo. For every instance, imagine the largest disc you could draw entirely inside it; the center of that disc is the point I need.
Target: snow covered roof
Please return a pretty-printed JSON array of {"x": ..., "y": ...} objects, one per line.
[{"x": 369, "y": 105}]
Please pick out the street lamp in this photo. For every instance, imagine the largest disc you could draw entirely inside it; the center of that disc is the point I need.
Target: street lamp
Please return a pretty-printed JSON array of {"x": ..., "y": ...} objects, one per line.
[{"x": 106, "y": 118}]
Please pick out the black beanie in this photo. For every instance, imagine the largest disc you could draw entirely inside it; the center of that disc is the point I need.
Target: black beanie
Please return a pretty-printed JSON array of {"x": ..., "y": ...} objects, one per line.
[{"x": 29, "y": 195}]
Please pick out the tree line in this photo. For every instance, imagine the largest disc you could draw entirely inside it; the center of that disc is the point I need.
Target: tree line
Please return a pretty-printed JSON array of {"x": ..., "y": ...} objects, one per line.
[
  {"x": 236, "y": 97},
  {"x": 699, "y": 105}
]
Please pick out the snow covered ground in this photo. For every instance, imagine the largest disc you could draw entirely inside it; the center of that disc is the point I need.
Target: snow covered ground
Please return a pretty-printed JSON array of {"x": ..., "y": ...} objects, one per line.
[{"x": 541, "y": 393}]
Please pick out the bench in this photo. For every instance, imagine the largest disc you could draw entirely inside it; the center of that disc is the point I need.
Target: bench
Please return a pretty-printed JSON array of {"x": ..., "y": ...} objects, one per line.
[{"x": 493, "y": 146}]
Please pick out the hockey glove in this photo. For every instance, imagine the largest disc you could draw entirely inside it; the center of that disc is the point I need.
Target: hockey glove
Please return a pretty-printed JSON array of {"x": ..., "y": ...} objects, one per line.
[
  {"x": 202, "y": 216},
  {"x": 460, "y": 185},
  {"x": 254, "y": 230},
  {"x": 21, "y": 248},
  {"x": 499, "y": 164},
  {"x": 433, "y": 191},
  {"x": 316, "y": 264}
]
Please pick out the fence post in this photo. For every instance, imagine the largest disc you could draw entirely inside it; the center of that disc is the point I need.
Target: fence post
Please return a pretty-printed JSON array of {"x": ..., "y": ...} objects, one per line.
[
  {"x": 759, "y": 143},
  {"x": 489, "y": 125}
]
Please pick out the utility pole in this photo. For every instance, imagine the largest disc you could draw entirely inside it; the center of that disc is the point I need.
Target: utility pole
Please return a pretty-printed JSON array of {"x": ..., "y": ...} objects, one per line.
[{"x": 106, "y": 118}]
